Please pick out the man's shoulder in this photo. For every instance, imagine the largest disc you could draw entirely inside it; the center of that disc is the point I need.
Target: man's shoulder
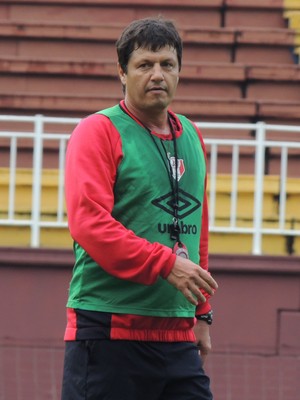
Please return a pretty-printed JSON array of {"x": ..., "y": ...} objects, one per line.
[
  {"x": 110, "y": 111},
  {"x": 184, "y": 119}
]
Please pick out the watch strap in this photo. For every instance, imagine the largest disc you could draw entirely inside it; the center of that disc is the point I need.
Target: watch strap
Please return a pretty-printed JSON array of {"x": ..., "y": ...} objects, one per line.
[{"x": 208, "y": 317}]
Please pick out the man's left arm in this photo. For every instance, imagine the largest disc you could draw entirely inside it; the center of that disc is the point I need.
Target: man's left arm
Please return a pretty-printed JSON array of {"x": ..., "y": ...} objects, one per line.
[
  {"x": 203, "y": 310},
  {"x": 203, "y": 341}
]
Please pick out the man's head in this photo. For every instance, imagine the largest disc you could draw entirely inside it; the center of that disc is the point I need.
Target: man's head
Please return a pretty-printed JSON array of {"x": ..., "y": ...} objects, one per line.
[
  {"x": 149, "y": 61},
  {"x": 148, "y": 33}
]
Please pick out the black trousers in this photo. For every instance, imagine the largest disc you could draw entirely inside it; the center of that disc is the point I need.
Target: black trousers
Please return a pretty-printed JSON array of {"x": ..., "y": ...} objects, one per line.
[{"x": 128, "y": 370}]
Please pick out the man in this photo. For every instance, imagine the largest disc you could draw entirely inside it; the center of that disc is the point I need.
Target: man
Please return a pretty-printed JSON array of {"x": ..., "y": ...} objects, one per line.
[{"x": 137, "y": 210}]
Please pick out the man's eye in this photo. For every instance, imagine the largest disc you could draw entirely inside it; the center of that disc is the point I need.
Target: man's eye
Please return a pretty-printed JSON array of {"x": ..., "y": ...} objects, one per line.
[
  {"x": 168, "y": 65},
  {"x": 144, "y": 65}
]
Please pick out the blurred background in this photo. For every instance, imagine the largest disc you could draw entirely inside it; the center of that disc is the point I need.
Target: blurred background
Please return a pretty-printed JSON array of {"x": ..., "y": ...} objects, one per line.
[{"x": 240, "y": 83}]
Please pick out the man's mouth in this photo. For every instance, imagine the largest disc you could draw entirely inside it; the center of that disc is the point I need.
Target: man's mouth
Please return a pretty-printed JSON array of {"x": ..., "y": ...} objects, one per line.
[{"x": 157, "y": 89}]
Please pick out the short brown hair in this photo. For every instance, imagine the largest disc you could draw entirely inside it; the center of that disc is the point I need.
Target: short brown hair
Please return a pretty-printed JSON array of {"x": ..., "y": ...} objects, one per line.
[{"x": 149, "y": 33}]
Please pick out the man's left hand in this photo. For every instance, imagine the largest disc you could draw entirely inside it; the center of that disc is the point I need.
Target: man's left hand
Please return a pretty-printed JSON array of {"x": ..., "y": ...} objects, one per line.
[{"x": 201, "y": 330}]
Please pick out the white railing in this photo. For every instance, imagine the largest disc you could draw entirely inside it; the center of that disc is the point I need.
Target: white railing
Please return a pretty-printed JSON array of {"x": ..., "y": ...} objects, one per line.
[
  {"x": 260, "y": 143},
  {"x": 39, "y": 134}
]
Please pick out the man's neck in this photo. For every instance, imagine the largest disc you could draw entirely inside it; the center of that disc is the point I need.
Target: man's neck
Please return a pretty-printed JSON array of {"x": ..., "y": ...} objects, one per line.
[{"x": 155, "y": 121}]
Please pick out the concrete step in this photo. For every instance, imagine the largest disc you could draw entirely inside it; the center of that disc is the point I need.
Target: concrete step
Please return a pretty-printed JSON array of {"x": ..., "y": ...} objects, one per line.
[
  {"x": 210, "y": 13},
  {"x": 20, "y": 236},
  {"x": 205, "y": 79},
  {"x": 80, "y": 105},
  {"x": 204, "y": 12},
  {"x": 197, "y": 108},
  {"x": 23, "y": 194},
  {"x": 245, "y": 200},
  {"x": 292, "y": 17},
  {"x": 201, "y": 43},
  {"x": 291, "y": 4},
  {"x": 254, "y": 13},
  {"x": 275, "y": 245},
  {"x": 66, "y": 76}
]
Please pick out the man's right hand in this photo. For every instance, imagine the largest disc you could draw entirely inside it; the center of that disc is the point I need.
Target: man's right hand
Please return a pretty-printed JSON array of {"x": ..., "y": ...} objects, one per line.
[{"x": 189, "y": 278}]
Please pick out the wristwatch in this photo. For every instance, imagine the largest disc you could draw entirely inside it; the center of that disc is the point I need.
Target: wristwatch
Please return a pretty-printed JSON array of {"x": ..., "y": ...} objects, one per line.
[{"x": 208, "y": 317}]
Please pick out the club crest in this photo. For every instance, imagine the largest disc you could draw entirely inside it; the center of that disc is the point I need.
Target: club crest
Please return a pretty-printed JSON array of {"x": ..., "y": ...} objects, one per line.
[{"x": 180, "y": 167}]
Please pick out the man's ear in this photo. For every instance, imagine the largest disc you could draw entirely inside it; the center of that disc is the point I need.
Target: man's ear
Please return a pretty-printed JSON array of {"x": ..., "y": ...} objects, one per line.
[{"x": 122, "y": 75}]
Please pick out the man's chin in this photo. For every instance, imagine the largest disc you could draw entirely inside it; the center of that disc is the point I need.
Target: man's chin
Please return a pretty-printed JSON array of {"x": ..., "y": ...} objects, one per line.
[{"x": 159, "y": 104}]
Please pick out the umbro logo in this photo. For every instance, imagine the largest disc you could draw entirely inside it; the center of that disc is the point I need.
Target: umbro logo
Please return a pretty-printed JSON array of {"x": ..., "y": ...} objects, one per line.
[{"x": 187, "y": 203}]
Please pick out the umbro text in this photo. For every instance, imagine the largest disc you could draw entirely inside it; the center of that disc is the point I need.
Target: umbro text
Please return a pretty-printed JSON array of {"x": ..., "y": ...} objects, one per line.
[{"x": 184, "y": 228}]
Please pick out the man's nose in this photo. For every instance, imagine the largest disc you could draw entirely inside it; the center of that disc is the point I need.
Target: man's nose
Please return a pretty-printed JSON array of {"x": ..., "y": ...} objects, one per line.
[{"x": 157, "y": 73}]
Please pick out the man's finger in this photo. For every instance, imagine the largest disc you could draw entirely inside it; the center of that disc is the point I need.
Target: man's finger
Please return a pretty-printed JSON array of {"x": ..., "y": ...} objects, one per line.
[
  {"x": 189, "y": 296},
  {"x": 202, "y": 283},
  {"x": 207, "y": 278},
  {"x": 197, "y": 292}
]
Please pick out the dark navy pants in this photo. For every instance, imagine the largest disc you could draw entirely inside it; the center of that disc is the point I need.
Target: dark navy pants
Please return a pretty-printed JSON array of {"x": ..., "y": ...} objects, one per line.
[{"x": 130, "y": 370}]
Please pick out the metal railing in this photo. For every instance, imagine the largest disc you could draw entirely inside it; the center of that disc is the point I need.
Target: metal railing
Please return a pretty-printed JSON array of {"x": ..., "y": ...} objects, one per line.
[
  {"x": 260, "y": 144},
  {"x": 38, "y": 134}
]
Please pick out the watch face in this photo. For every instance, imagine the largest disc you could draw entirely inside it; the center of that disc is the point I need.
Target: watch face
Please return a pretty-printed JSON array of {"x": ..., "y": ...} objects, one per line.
[{"x": 208, "y": 317}]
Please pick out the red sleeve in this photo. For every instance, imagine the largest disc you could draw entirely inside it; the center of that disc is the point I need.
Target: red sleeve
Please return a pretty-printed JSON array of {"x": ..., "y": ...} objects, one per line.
[
  {"x": 93, "y": 155},
  {"x": 203, "y": 308}
]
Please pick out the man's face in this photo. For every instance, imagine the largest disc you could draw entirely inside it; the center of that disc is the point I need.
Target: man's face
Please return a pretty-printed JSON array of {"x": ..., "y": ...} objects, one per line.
[{"x": 151, "y": 78}]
